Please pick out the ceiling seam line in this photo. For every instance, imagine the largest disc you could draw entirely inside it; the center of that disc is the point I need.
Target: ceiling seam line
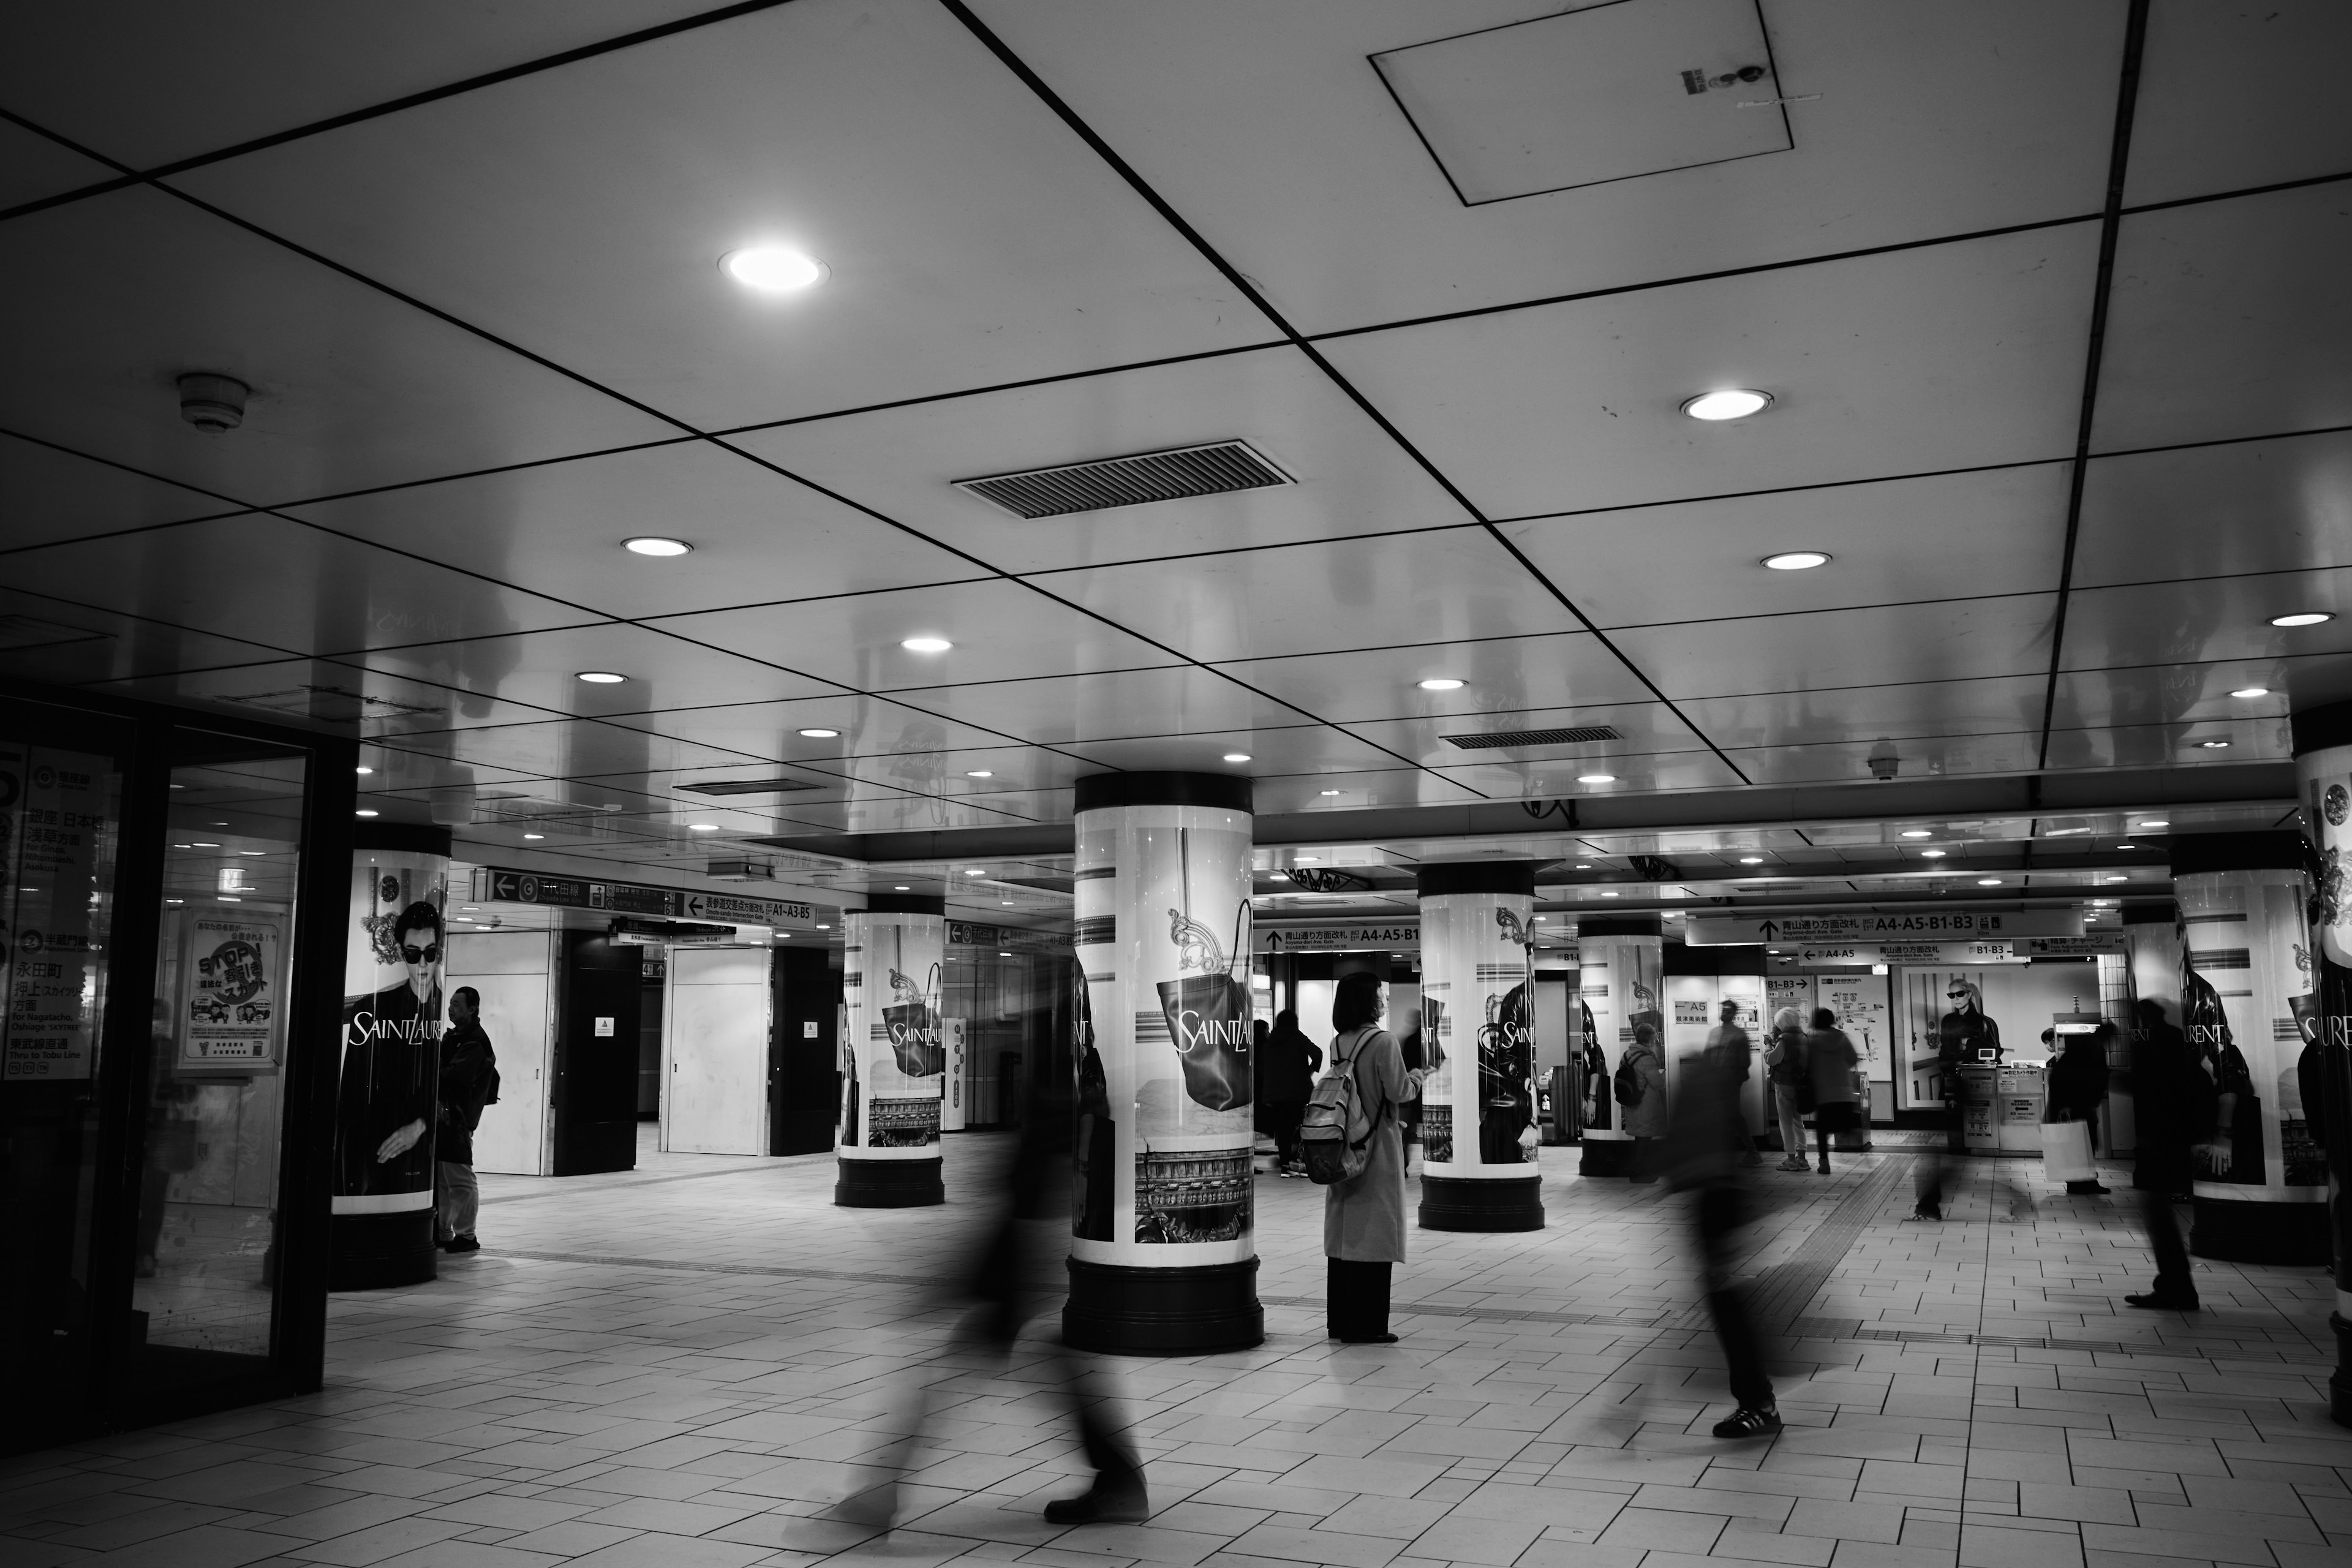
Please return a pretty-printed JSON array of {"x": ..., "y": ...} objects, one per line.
[
  {"x": 2102, "y": 289},
  {"x": 1102, "y": 148},
  {"x": 2244, "y": 193},
  {"x": 373, "y": 112}
]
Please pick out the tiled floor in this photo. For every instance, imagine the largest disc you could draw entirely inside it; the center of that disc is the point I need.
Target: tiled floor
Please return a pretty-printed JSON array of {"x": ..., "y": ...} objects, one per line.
[{"x": 683, "y": 1366}]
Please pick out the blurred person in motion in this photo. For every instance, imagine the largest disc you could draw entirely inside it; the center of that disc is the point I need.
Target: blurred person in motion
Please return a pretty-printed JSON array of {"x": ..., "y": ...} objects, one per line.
[
  {"x": 1007, "y": 1279},
  {"x": 1641, "y": 1091},
  {"x": 1409, "y": 1114},
  {"x": 1287, "y": 1065},
  {"x": 1784, "y": 1069},
  {"x": 1363, "y": 1217},
  {"x": 1701, "y": 1158},
  {"x": 2077, "y": 1086},
  {"x": 1729, "y": 1047},
  {"x": 2166, "y": 1091},
  {"x": 1830, "y": 1059},
  {"x": 1964, "y": 1037}
]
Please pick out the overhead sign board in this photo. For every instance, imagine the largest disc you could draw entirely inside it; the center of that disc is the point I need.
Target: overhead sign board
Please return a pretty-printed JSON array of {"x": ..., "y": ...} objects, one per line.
[
  {"x": 1831, "y": 930},
  {"x": 2017, "y": 950},
  {"x": 1011, "y": 939},
  {"x": 1340, "y": 936},
  {"x": 496, "y": 884}
]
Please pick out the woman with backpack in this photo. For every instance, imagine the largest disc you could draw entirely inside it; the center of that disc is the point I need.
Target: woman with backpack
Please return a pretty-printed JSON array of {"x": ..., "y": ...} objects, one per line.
[
  {"x": 1363, "y": 1215},
  {"x": 1641, "y": 1089}
]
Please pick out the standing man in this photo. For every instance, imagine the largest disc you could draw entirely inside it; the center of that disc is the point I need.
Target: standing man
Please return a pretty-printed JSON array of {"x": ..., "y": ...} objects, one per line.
[
  {"x": 1732, "y": 1054},
  {"x": 469, "y": 1080},
  {"x": 2078, "y": 1087},
  {"x": 1286, "y": 1077},
  {"x": 2165, "y": 1126}
]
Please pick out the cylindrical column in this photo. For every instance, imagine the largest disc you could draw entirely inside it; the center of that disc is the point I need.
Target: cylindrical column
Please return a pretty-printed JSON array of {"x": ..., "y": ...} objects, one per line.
[
  {"x": 1621, "y": 985},
  {"x": 1163, "y": 1258},
  {"x": 2322, "y": 767},
  {"x": 894, "y": 954},
  {"x": 2245, "y": 991},
  {"x": 1478, "y": 1040},
  {"x": 390, "y": 1058}
]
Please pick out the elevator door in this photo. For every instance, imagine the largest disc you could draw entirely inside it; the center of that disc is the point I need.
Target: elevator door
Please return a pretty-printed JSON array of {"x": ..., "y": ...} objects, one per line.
[
  {"x": 716, "y": 1038},
  {"x": 804, "y": 1092}
]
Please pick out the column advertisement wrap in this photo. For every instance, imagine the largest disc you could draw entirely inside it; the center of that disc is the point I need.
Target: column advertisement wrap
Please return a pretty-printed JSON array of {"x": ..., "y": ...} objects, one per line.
[
  {"x": 1477, "y": 1028},
  {"x": 1623, "y": 987},
  {"x": 893, "y": 960},
  {"x": 1161, "y": 1178},
  {"x": 391, "y": 1067},
  {"x": 2323, "y": 765},
  {"x": 2249, "y": 1011}
]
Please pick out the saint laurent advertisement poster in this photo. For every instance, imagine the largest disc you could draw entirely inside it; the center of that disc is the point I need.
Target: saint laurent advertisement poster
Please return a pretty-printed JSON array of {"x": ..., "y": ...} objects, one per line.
[
  {"x": 2246, "y": 1003},
  {"x": 393, "y": 1020},
  {"x": 1477, "y": 1032},
  {"x": 892, "y": 966}
]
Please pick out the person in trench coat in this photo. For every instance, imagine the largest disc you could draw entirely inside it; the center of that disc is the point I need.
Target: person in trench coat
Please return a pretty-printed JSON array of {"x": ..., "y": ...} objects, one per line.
[{"x": 1363, "y": 1218}]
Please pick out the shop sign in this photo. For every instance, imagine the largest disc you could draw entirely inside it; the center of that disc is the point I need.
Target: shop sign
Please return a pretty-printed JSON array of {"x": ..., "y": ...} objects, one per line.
[
  {"x": 1943, "y": 925},
  {"x": 494, "y": 884}
]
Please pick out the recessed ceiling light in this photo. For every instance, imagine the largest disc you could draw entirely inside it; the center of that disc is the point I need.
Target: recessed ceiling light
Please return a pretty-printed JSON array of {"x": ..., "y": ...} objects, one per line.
[
  {"x": 973, "y": 871},
  {"x": 702, "y": 827},
  {"x": 1796, "y": 560},
  {"x": 901, "y": 888},
  {"x": 772, "y": 268},
  {"x": 184, "y": 847},
  {"x": 1931, "y": 854},
  {"x": 2119, "y": 876},
  {"x": 2155, "y": 822},
  {"x": 1543, "y": 917},
  {"x": 1732, "y": 402},
  {"x": 1988, "y": 881},
  {"x": 223, "y": 897},
  {"x": 1006, "y": 903},
  {"x": 1003, "y": 955},
  {"x": 601, "y": 678},
  {"x": 1581, "y": 866},
  {"x": 469, "y": 908},
  {"x": 2127, "y": 846},
  {"x": 650, "y": 546},
  {"x": 821, "y": 734},
  {"x": 362, "y": 811},
  {"x": 1596, "y": 778},
  {"x": 1237, "y": 756},
  {"x": 2062, "y": 831},
  {"x": 2302, "y": 618},
  {"x": 1917, "y": 833},
  {"x": 825, "y": 928},
  {"x": 2213, "y": 746},
  {"x": 979, "y": 774},
  {"x": 1441, "y": 683},
  {"x": 534, "y": 836},
  {"x": 208, "y": 844},
  {"x": 2251, "y": 691},
  {"x": 1751, "y": 859},
  {"x": 1608, "y": 892},
  {"x": 1302, "y": 859},
  {"x": 253, "y": 851},
  {"x": 362, "y": 771},
  {"x": 927, "y": 644}
]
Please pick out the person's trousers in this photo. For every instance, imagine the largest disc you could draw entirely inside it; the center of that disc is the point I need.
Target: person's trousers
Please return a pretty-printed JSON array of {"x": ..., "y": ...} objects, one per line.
[
  {"x": 1719, "y": 1215},
  {"x": 1358, "y": 1298},
  {"x": 1935, "y": 1162},
  {"x": 457, "y": 1200},
  {"x": 1792, "y": 1120},
  {"x": 1281, "y": 1119},
  {"x": 2172, "y": 1276}
]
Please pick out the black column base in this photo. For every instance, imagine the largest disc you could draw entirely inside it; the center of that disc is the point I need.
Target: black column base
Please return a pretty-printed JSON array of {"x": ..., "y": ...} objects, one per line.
[
  {"x": 2290, "y": 1235},
  {"x": 2339, "y": 1381},
  {"x": 1461, "y": 1203},
  {"x": 1120, "y": 1310},
  {"x": 373, "y": 1251},
  {"x": 1607, "y": 1157},
  {"x": 888, "y": 1184}
]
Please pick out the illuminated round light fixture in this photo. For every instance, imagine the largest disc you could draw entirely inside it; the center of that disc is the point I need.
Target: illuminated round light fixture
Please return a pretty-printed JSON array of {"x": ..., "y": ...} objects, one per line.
[
  {"x": 1988, "y": 881},
  {"x": 601, "y": 678},
  {"x": 1596, "y": 778},
  {"x": 651, "y": 546},
  {"x": 773, "y": 268},
  {"x": 1441, "y": 683},
  {"x": 2213, "y": 746},
  {"x": 2302, "y": 618},
  {"x": 534, "y": 836},
  {"x": 2155, "y": 822},
  {"x": 973, "y": 870},
  {"x": 1237, "y": 756},
  {"x": 702, "y": 827},
  {"x": 1751, "y": 859},
  {"x": 820, "y": 735},
  {"x": 1608, "y": 892},
  {"x": 1331, "y": 791},
  {"x": 2251, "y": 691},
  {"x": 1931, "y": 854},
  {"x": 363, "y": 770},
  {"x": 1732, "y": 402},
  {"x": 2119, "y": 876},
  {"x": 1796, "y": 560},
  {"x": 362, "y": 812},
  {"x": 979, "y": 774},
  {"x": 927, "y": 644},
  {"x": 2127, "y": 846},
  {"x": 1918, "y": 833},
  {"x": 901, "y": 888}
]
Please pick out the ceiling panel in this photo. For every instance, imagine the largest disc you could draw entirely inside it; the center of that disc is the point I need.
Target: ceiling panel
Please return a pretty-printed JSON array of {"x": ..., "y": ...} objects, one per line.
[
  {"x": 46, "y": 495},
  {"x": 557, "y": 529},
  {"x": 2216, "y": 110},
  {"x": 1357, "y": 791},
  {"x": 1315, "y": 598},
  {"x": 1501, "y": 675},
  {"x": 1008, "y": 771},
  {"x": 1630, "y": 773},
  {"x": 106, "y": 301},
  {"x": 542, "y": 669},
  {"x": 1268, "y": 127},
  {"x": 1831, "y": 649},
  {"x": 2171, "y": 693},
  {"x": 2197, "y": 743},
  {"x": 1804, "y": 716},
  {"x": 1848, "y": 762},
  {"x": 2157, "y": 623},
  {"x": 2213, "y": 511},
  {"x": 1179, "y": 700},
  {"x": 71, "y": 644},
  {"x": 867, "y": 726},
  {"x": 1002, "y": 631},
  {"x": 1888, "y": 541},
  {"x": 1647, "y": 727},
  {"x": 972, "y": 240},
  {"x": 1305, "y": 749},
  {"x": 1352, "y": 479},
  {"x": 560, "y": 749},
  {"x": 2229, "y": 319},
  {"x": 1948, "y": 357},
  {"x": 334, "y": 695},
  {"x": 31, "y": 165},
  {"x": 202, "y": 79}
]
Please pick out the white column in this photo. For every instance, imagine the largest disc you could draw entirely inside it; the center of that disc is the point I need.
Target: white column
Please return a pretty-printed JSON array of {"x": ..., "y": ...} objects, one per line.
[
  {"x": 1478, "y": 1030},
  {"x": 894, "y": 957},
  {"x": 1623, "y": 986}
]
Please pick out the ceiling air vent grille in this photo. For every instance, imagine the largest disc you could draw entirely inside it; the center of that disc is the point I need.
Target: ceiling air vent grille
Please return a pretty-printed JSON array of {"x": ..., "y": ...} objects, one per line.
[
  {"x": 746, "y": 786},
  {"x": 1218, "y": 469},
  {"x": 1490, "y": 739}
]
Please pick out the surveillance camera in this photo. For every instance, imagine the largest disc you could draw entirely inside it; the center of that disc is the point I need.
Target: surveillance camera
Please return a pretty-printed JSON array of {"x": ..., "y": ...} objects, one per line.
[{"x": 1884, "y": 768}]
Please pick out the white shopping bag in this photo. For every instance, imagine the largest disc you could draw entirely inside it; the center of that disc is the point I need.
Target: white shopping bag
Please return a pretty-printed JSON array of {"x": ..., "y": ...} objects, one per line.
[{"x": 2066, "y": 1151}]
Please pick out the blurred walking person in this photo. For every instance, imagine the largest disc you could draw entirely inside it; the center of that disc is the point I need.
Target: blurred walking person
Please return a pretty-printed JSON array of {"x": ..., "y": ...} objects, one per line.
[
  {"x": 1830, "y": 1060},
  {"x": 1701, "y": 1159},
  {"x": 1784, "y": 1069},
  {"x": 2078, "y": 1088},
  {"x": 1641, "y": 1089},
  {"x": 1729, "y": 1046},
  {"x": 1287, "y": 1065},
  {"x": 2165, "y": 1125}
]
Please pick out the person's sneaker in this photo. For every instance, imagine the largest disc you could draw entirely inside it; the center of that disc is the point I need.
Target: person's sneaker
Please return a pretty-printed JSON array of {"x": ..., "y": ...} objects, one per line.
[
  {"x": 1792, "y": 1165},
  {"x": 1750, "y": 1422},
  {"x": 1931, "y": 1213},
  {"x": 2085, "y": 1189},
  {"x": 1098, "y": 1504},
  {"x": 1825, "y": 1168},
  {"x": 462, "y": 1244},
  {"x": 2163, "y": 1301}
]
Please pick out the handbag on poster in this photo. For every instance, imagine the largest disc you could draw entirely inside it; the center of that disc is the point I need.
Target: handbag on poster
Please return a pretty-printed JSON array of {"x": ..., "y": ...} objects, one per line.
[{"x": 2066, "y": 1151}]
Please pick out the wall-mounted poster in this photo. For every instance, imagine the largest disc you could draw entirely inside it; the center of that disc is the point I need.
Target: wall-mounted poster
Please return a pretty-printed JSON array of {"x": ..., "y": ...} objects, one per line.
[
  {"x": 231, "y": 1004},
  {"x": 59, "y": 810},
  {"x": 1864, "y": 1013}
]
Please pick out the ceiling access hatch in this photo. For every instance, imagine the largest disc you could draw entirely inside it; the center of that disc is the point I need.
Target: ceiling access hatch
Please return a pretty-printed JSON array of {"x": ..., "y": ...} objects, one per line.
[
  {"x": 1220, "y": 467},
  {"x": 1493, "y": 740},
  {"x": 1613, "y": 91},
  {"x": 746, "y": 787}
]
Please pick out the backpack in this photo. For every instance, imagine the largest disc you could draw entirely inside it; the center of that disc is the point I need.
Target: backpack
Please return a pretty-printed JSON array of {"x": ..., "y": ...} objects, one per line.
[
  {"x": 1335, "y": 1135},
  {"x": 1627, "y": 1082}
]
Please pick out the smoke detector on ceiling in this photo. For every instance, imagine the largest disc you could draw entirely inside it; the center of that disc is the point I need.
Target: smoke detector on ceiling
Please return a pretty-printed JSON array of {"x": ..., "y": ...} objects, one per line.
[{"x": 211, "y": 402}]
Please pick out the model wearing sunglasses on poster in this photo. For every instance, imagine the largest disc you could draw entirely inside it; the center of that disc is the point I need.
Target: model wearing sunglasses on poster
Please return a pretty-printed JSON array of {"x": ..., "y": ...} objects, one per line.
[
  {"x": 1964, "y": 1037},
  {"x": 391, "y": 1067}
]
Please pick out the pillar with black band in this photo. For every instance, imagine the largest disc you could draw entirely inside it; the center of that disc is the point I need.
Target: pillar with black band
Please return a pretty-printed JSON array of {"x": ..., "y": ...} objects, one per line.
[
  {"x": 894, "y": 953},
  {"x": 1163, "y": 1257},
  {"x": 2322, "y": 767},
  {"x": 1477, "y": 1027}
]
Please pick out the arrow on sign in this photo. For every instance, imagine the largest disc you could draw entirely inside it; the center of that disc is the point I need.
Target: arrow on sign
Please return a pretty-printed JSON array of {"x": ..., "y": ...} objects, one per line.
[{"x": 1769, "y": 931}]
